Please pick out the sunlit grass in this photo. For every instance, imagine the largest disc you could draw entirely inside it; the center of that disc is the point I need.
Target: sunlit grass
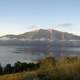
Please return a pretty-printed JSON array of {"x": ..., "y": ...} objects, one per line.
[{"x": 17, "y": 76}]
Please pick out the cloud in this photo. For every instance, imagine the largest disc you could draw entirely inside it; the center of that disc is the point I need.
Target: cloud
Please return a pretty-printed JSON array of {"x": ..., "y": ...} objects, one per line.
[{"x": 64, "y": 25}]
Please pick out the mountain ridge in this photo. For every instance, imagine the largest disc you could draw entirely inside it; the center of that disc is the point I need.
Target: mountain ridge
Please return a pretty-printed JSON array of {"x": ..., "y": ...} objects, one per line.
[{"x": 44, "y": 34}]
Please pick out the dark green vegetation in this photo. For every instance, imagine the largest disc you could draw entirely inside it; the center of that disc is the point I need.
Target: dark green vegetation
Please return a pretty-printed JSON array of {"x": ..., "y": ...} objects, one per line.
[
  {"x": 18, "y": 67},
  {"x": 67, "y": 68}
]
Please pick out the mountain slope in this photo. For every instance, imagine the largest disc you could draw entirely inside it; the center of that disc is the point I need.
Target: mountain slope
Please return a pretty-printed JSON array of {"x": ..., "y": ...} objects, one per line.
[
  {"x": 44, "y": 34},
  {"x": 54, "y": 35},
  {"x": 41, "y": 38}
]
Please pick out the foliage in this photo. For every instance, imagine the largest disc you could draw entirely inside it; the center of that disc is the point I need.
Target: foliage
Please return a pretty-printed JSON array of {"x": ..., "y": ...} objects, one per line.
[
  {"x": 67, "y": 68},
  {"x": 18, "y": 67}
]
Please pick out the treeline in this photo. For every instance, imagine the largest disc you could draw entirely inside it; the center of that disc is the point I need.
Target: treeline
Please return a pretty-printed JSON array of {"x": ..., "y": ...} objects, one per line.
[{"x": 18, "y": 67}]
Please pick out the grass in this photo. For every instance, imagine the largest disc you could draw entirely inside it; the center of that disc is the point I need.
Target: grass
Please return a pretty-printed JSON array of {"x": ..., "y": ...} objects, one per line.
[
  {"x": 50, "y": 69},
  {"x": 18, "y": 76}
]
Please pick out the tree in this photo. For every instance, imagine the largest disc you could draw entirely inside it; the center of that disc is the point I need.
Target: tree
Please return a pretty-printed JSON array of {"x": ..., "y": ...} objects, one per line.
[
  {"x": 1, "y": 70},
  {"x": 17, "y": 67},
  {"x": 8, "y": 69}
]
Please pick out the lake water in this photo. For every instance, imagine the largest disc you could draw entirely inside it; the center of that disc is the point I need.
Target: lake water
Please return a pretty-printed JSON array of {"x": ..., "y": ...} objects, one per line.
[{"x": 11, "y": 54}]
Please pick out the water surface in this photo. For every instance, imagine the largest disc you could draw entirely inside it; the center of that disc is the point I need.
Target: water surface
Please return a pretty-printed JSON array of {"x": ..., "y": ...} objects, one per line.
[{"x": 11, "y": 54}]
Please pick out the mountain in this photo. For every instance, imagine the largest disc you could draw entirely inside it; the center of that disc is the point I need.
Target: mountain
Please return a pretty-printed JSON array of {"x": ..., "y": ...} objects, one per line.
[
  {"x": 42, "y": 34},
  {"x": 42, "y": 37}
]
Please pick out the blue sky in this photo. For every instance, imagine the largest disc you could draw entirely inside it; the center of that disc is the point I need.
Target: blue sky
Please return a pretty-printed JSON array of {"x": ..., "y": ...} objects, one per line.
[{"x": 17, "y": 16}]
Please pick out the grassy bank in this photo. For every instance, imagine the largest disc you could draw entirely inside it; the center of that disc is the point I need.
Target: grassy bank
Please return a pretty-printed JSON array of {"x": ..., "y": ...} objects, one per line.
[
  {"x": 50, "y": 68},
  {"x": 17, "y": 76}
]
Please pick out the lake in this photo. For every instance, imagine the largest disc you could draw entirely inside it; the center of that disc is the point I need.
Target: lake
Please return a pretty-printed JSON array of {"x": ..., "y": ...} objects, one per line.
[{"x": 12, "y": 54}]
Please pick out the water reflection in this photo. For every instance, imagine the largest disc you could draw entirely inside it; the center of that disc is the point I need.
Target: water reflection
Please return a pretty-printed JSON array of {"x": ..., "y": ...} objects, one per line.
[{"x": 11, "y": 54}]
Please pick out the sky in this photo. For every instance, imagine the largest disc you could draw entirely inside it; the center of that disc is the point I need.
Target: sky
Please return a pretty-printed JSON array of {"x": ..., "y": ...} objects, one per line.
[{"x": 17, "y": 16}]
